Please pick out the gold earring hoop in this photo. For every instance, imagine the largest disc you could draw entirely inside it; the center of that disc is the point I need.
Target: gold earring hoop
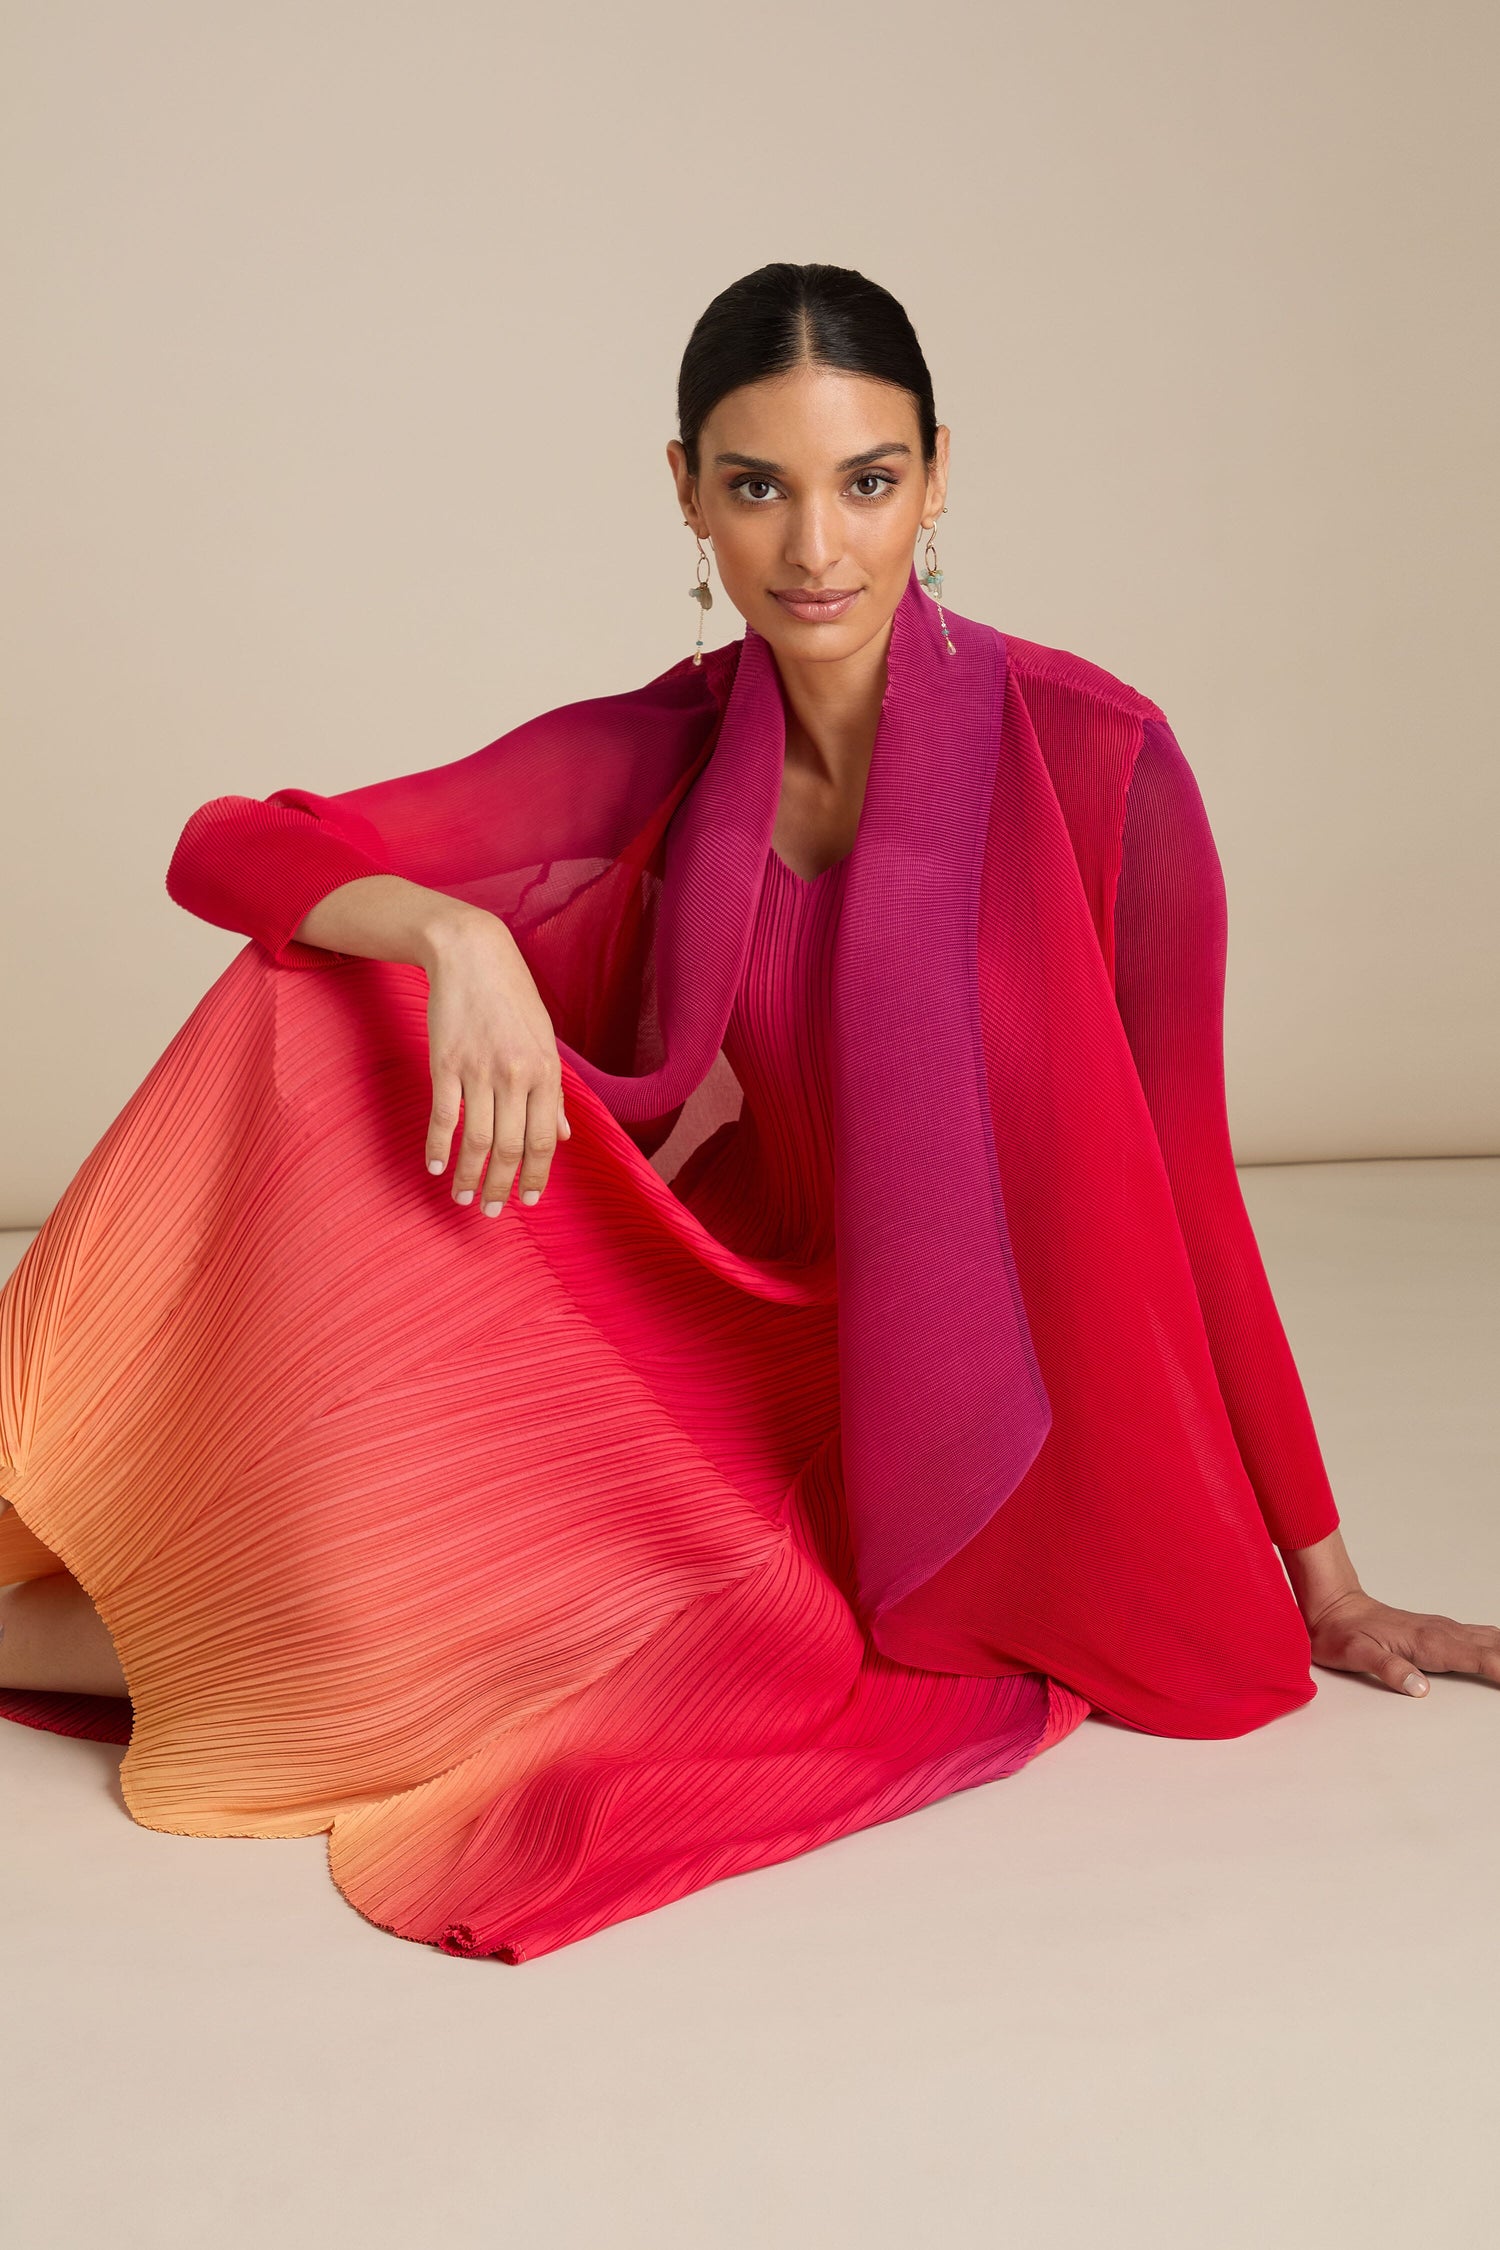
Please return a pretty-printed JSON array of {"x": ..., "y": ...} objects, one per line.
[
  {"x": 932, "y": 579},
  {"x": 702, "y": 594}
]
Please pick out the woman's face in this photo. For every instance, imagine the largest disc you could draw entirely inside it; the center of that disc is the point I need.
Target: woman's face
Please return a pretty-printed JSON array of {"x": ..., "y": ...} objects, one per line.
[{"x": 812, "y": 484}]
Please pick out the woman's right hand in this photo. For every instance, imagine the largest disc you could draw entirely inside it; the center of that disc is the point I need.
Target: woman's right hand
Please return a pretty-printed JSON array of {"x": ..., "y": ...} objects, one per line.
[{"x": 493, "y": 1049}]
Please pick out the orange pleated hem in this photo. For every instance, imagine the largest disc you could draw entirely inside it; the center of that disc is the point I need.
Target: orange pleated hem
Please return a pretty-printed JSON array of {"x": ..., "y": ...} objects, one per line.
[{"x": 511, "y": 1554}]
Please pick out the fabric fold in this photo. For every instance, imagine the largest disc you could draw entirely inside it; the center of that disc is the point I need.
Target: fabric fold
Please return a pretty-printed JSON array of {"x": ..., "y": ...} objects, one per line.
[{"x": 560, "y": 1564}]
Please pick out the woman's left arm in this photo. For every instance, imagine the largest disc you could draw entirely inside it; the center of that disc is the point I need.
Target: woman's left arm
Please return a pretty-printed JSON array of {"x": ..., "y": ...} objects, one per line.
[{"x": 1171, "y": 945}]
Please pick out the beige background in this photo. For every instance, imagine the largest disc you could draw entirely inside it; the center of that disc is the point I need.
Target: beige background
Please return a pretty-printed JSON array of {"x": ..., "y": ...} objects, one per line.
[
  {"x": 339, "y": 368},
  {"x": 343, "y": 342},
  {"x": 1143, "y": 1995}
]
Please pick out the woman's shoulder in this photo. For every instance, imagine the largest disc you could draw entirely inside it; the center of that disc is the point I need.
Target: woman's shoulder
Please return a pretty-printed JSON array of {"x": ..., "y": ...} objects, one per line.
[
  {"x": 1090, "y": 726},
  {"x": 668, "y": 716},
  {"x": 685, "y": 696},
  {"x": 1061, "y": 673}
]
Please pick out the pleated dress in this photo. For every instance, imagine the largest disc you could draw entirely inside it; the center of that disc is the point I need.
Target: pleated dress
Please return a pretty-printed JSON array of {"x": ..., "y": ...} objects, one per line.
[{"x": 512, "y": 1552}]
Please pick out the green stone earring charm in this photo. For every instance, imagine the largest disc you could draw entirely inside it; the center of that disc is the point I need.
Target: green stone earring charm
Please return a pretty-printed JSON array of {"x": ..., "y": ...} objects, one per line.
[
  {"x": 702, "y": 594},
  {"x": 932, "y": 580}
]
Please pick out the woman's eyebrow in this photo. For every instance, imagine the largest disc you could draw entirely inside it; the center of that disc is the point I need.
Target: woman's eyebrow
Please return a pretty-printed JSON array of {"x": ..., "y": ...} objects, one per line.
[
  {"x": 876, "y": 453},
  {"x": 774, "y": 468}
]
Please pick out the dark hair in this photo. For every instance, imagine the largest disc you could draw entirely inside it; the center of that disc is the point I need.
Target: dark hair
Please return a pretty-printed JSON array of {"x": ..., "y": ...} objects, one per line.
[{"x": 782, "y": 316}]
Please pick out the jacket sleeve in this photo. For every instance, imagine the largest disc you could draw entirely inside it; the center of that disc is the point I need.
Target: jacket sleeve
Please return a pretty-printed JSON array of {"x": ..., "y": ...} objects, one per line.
[
  {"x": 563, "y": 792},
  {"x": 1171, "y": 943},
  {"x": 258, "y": 865}
]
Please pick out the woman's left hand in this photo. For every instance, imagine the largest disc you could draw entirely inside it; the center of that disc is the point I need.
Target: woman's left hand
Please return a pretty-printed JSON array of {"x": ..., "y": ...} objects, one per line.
[{"x": 1355, "y": 1633}]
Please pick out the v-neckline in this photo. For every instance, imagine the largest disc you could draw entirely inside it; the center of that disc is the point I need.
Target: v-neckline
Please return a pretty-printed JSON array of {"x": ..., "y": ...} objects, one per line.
[{"x": 808, "y": 882}]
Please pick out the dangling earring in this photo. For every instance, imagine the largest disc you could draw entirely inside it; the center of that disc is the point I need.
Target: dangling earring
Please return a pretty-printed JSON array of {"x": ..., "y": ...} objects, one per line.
[
  {"x": 932, "y": 579},
  {"x": 702, "y": 594}
]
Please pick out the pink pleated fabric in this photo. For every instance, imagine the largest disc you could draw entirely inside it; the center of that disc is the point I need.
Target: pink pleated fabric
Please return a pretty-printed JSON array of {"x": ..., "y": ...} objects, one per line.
[
  {"x": 729, "y": 1500},
  {"x": 623, "y": 841},
  {"x": 517, "y": 1559}
]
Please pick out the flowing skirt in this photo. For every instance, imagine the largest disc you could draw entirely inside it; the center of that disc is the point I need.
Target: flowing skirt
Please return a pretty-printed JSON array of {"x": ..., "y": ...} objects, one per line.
[{"x": 508, "y": 1552}]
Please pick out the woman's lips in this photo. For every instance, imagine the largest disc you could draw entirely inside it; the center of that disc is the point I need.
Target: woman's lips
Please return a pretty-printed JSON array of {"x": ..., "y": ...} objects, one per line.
[{"x": 816, "y": 608}]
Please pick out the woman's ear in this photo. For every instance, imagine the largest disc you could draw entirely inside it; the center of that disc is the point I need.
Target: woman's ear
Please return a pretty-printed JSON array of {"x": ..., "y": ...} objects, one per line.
[
  {"x": 937, "y": 476},
  {"x": 687, "y": 487}
]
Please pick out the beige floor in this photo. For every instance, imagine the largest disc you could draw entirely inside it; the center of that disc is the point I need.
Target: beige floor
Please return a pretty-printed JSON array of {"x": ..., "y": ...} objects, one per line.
[{"x": 1228, "y": 1996}]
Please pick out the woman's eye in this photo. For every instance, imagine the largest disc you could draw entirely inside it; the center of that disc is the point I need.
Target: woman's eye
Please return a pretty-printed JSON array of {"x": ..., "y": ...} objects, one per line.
[{"x": 870, "y": 484}]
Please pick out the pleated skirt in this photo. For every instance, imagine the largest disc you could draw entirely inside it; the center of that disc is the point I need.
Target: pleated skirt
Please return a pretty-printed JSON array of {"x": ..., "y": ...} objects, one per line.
[{"x": 510, "y": 1553}]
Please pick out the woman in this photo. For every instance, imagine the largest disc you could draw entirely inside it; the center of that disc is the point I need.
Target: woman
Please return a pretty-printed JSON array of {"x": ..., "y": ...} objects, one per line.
[{"x": 873, "y": 1370}]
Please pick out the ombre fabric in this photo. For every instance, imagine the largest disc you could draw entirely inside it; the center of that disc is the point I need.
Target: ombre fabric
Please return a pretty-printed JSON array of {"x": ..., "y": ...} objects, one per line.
[{"x": 561, "y": 1564}]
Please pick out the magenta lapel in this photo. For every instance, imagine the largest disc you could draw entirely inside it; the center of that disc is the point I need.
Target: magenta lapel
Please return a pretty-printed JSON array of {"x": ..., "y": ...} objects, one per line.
[
  {"x": 942, "y": 1403},
  {"x": 943, "y": 1406}
]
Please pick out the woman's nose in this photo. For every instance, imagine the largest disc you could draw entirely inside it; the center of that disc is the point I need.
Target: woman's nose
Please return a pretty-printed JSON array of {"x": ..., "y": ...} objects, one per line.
[{"x": 813, "y": 541}]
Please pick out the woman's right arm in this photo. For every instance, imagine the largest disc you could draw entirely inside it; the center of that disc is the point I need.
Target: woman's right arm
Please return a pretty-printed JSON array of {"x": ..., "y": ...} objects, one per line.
[
  {"x": 378, "y": 872},
  {"x": 490, "y": 1038},
  {"x": 258, "y": 864},
  {"x": 311, "y": 881}
]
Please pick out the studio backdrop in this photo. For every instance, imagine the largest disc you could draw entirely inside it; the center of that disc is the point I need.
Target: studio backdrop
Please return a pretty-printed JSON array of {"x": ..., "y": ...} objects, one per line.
[{"x": 340, "y": 368}]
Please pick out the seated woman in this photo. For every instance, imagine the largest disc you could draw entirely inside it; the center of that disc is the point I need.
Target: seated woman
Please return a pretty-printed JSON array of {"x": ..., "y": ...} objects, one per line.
[{"x": 873, "y": 1370}]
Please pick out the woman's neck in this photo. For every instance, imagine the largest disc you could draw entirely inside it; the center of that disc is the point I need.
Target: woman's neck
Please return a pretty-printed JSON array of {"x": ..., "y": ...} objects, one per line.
[{"x": 832, "y": 712}]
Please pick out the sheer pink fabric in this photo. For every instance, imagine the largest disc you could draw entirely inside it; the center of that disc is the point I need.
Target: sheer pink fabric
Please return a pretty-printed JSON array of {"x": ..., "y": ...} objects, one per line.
[
  {"x": 1032, "y": 976},
  {"x": 837, "y": 1457}
]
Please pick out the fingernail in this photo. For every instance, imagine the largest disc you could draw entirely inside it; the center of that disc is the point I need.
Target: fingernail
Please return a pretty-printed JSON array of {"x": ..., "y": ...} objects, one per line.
[
  {"x": 464, "y": 1195},
  {"x": 1414, "y": 1684},
  {"x": 493, "y": 1210},
  {"x": 434, "y": 1164},
  {"x": 530, "y": 1195}
]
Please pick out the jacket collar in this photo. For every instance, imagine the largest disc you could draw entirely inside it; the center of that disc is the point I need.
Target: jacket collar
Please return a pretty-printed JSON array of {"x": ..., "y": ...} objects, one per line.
[{"x": 942, "y": 1404}]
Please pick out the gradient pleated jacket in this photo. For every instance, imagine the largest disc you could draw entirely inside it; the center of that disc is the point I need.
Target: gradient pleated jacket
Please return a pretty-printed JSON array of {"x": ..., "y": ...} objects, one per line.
[{"x": 1059, "y": 1355}]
